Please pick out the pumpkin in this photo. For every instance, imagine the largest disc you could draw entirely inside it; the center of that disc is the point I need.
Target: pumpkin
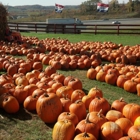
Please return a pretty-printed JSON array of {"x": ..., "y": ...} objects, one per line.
[
  {"x": 110, "y": 130},
  {"x": 134, "y": 132},
  {"x": 99, "y": 103},
  {"x": 20, "y": 93},
  {"x": 86, "y": 99},
  {"x": 75, "y": 83},
  {"x": 86, "y": 126},
  {"x": 130, "y": 86},
  {"x": 50, "y": 70},
  {"x": 126, "y": 138},
  {"x": 91, "y": 73},
  {"x": 21, "y": 80},
  {"x": 48, "y": 107},
  {"x": 113, "y": 115},
  {"x": 12, "y": 69},
  {"x": 111, "y": 78},
  {"x": 138, "y": 89},
  {"x": 67, "y": 79},
  {"x": 70, "y": 116},
  {"x": 10, "y": 104},
  {"x": 137, "y": 121},
  {"x": 93, "y": 92},
  {"x": 79, "y": 109},
  {"x": 77, "y": 94},
  {"x": 97, "y": 118},
  {"x": 121, "y": 80},
  {"x": 30, "y": 103},
  {"x": 64, "y": 91},
  {"x": 63, "y": 130},
  {"x": 30, "y": 88},
  {"x": 124, "y": 124},
  {"x": 131, "y": 111},
  {"x": 118, "y": 104},
  {"x": 85, "y": 136},
  {"x": 100, "y": 76}
]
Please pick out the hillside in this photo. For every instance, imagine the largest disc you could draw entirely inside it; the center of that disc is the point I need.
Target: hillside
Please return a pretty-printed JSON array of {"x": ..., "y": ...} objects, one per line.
[{"x": 32, "y": 13}]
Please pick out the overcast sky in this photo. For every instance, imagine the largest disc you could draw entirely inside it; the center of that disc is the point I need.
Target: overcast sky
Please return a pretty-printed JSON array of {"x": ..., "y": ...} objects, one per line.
[{"x": 48, "y": 2}]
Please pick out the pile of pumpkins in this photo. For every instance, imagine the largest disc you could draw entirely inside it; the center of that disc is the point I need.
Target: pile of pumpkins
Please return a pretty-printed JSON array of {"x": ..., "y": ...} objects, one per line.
[
  {"x": 123, "y": 76},
  {"x": 60, "y": 99}
]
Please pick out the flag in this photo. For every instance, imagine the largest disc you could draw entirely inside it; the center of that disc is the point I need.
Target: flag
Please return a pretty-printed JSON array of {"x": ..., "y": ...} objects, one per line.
[
  {"x": 101, "y": 7},
  {"x": 59, "y": 8}
]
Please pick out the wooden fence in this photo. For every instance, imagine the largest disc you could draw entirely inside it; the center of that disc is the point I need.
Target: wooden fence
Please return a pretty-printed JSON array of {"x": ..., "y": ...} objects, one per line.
[{"x": 77, "y": 29}]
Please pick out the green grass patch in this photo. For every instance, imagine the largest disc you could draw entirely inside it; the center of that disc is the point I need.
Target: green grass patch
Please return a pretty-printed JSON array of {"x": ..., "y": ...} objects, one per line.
[{"x": 123, "y": 39}]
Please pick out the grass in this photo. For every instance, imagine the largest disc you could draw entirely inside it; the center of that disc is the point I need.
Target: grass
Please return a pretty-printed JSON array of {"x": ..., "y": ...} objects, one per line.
[
  {"x": 124, "y": 39},
  {"x": 26, "y": 125}
]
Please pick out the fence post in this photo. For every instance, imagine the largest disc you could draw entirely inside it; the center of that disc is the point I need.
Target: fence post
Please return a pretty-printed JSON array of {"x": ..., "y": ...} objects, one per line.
[
  {"x": 35, "y": 28},
  {"x": 118, "y": 29},
  {"x": 63, "y": 29},
  {"x": 55, "y": 28},
  {"x": 75, "y": 28},
  {"x": 95, "y": 29},
  {"x": 17, "y": 26}
]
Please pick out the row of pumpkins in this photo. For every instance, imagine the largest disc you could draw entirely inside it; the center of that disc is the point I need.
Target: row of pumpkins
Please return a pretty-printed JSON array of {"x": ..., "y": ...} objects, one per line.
[
  {"x": 123, "y": 76},
  {"x": 108, "y": 51},
  {"x": 48, "y": 92}
]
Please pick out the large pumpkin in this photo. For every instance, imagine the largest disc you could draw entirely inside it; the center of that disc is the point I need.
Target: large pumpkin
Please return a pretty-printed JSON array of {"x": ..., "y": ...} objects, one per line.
[
  {"x": 110, "y": 131},
  {"x": 63, "y": 130},
  {"x": 131, "y": 111},
  {"x": 48, "y": 107}
]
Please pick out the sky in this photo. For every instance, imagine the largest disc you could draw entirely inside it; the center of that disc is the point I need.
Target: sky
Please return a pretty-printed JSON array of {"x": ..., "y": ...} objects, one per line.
[{"x": 48, "y": 2}]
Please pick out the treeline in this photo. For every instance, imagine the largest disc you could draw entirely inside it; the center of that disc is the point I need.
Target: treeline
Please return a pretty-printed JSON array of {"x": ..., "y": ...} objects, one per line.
[{"x": 86, "y": 10}]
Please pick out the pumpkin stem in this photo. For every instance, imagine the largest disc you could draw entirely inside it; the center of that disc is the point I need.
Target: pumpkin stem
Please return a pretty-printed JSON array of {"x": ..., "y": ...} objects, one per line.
[
  {"x": 121, "y": 99},
  {"x": 46, "y": 95},
  {"x": 87, "y": 118},
  {"x": 78, "y": 101},
  {"x": 99, "y": 113},
  {"x": 85, "y": 135},
  {"x": 1, "y": 116}
]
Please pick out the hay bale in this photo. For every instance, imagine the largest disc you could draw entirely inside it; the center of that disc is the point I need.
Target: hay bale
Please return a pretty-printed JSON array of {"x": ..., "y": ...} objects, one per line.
[{"x": 3, "y": 21}]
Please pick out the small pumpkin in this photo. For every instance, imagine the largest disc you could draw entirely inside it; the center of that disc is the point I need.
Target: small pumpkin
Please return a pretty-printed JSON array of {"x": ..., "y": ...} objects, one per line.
[
  {"x": 69, "y": 116},
  {"x": 134, "y": 132},
  {"x": 85, "y": 136}
]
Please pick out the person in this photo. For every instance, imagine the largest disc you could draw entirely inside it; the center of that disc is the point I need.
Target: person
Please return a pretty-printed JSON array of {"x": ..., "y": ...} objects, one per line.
[
  {"x": 8, "y": 34},
  {"x": 12, "y": 36}
]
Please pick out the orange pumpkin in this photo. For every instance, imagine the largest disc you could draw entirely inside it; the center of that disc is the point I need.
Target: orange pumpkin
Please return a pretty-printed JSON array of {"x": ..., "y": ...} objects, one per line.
[
  {"x": 70, "y": 116},
  {"x": 85, "y": 136},
  {"x": 110, "y": 130},
  {"x": 49, "y": 107},
  {"x": 124, "y": 124},
  {"x": 79, "y": 109},
  {"x": 134, "y": 132}
]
